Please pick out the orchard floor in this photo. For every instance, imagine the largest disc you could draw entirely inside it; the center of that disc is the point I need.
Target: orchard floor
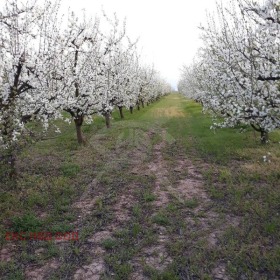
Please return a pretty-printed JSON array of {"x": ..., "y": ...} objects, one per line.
[{"x": 157, "y": 196}]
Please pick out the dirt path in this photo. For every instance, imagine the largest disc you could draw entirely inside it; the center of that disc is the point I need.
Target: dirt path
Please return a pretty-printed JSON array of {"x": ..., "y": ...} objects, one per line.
[{"x": 187, "y": 190}]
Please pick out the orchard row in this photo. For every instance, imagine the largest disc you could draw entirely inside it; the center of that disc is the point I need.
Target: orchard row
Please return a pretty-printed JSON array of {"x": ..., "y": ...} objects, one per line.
[
  {"x": 236, "y": 75},
  {"x": 52, "y": 64}
]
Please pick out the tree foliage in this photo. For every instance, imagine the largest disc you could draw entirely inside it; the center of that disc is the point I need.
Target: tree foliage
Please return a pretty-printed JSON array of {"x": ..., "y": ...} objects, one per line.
[
  {"x": 50, "y": 64},
  {"x": 237, "y": 73}
]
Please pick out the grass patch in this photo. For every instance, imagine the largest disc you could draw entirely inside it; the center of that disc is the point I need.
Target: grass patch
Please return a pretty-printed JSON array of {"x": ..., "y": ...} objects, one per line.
[
  {"x": 160, "y": 219},
  {"x": 149, "y": 197},
  {"x": 26, "y": 223},
  {"x": 70, "y": 169},
  {"x": 109, "y": 244},
  {"x": 191, "y": 203}
]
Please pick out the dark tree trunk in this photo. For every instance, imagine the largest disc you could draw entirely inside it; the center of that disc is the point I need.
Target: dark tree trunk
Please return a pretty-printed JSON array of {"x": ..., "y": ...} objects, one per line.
[
  {"x": 138, "y": 106},
  {"x": 13, "y": 166},
  {"x": 121, "y": 112},
  {"x": 264, "y": 134},
  {"x": 107, "y": 119},
  {"x": 264, "y": 137},
  {"x": 12, "y": 163},
  {"x": 78, "y": 123},
  {"x": 9, "y": 174},
  {"x": 142, "y": 102},
  {"x": 131, "y": 109}
]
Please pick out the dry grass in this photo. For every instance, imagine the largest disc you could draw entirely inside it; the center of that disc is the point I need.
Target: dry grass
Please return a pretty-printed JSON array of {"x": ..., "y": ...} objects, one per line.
[{"x": 172, "y": 112}]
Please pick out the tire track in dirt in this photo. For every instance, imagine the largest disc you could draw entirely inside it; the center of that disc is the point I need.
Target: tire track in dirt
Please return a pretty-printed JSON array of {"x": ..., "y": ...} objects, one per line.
[
  {"x": 156, "y": 256},
  {"x": 122, "y": 208},
  {"x": 187, "y": 189}
]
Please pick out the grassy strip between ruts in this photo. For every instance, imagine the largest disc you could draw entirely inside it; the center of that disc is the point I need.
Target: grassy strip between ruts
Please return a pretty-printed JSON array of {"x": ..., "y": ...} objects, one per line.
[{"x": 63, "y": 187}]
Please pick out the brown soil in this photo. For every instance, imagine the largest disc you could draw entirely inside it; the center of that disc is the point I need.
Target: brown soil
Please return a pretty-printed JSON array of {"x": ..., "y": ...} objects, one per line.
[
  {"x": 6, "y": 253},
  {"x": 38, "y": 273}
]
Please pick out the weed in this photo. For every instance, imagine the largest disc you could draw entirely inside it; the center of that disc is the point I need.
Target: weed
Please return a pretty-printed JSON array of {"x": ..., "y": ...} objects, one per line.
[
  {"x": 26, "y": 223},
  {"x": 148, "y": 196},
  {"x": 70, "y": 169},
  {"x": 191, "y": 203},
  {"x": 160, "y": 219},
  {"x": 109, "y": 244}
]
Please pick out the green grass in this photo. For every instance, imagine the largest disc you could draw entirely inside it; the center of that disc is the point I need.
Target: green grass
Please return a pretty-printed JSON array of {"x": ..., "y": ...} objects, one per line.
[
  {"x": 109, "y": 244},
  {"x": 160, "y": 219},
  {"x": 56, "y": 173},
  {"x": 148, "y": 196},
  {"x": 26, "y": 223},
  {"x": 191, "y": 203}
]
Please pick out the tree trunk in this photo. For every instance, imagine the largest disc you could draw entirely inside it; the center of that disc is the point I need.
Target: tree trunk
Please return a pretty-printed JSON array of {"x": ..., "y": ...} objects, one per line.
[
  {"x": 13, "y": 166},
  {"x": 264, "y": 137},
  {"x": 142, "y": 102},
  {"x": 107, "y": 119},
  {"x": 121, "y": 112},
  {"x": 264, "y": 134},
  {"x": 138, "y": 106},
  {"x": 9, "y": 173},
  {"x": 78, "y": 123},
  {"x": 11, "y": 161},
  {"x": 131, "y": 109}
]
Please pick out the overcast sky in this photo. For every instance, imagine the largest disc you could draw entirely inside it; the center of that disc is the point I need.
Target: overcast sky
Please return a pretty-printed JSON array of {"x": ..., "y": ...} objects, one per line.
[{"x": 167, "y": 29}]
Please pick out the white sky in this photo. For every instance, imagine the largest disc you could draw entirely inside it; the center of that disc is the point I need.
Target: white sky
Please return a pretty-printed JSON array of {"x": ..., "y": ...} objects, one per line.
[{"x": 167, "y": 29}]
